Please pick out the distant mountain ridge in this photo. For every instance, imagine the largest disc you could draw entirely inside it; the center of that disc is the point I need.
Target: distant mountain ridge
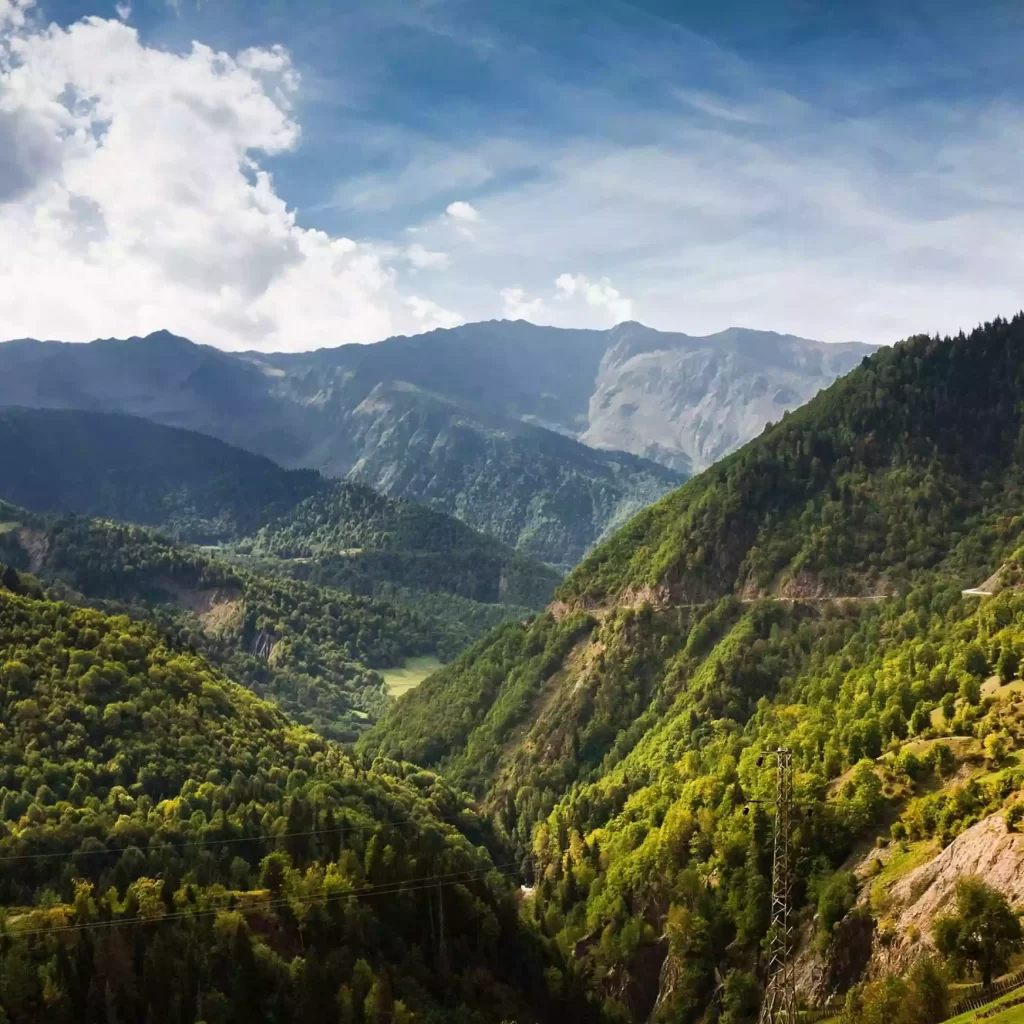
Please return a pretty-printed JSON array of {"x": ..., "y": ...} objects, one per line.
[
  {"x": 546, "y": 438},
  {"x": 687, "y": 402},
  {"x": 203, "y": 491}
]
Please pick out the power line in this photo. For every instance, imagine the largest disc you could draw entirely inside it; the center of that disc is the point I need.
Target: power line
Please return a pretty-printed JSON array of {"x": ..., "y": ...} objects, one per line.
[
  {"x": 70, "y": 855},
  {"x": 385, "y": 889}
]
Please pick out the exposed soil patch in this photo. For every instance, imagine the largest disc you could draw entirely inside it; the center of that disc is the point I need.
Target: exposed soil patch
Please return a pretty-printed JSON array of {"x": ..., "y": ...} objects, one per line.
[
  {"x": 986, "y": 849},
  {"x": 36, "y": 546},
  {"x": 218, "y": 608}
]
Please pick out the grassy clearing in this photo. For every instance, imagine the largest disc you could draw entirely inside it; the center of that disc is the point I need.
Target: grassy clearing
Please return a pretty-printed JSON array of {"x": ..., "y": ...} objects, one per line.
[
  {"x": 902, "y": 862},
  {"x": 410, "y": 675},
  {"x": 1001, "y": 691}
]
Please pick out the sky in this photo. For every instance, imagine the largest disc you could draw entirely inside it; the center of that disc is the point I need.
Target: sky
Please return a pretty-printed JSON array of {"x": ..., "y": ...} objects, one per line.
[{"x": 291, "y": 174}]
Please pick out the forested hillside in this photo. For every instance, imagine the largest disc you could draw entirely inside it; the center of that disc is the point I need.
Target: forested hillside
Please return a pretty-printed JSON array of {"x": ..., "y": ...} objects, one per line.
[
  {"x": 275, "y": 521},
  {"x": 536, "y": 490},
  {"x": 912, "y": 462},
  {"x": 175, "y": 849},
  {"x": 352, "y": 537},
  {"x": 314, "y": 651},
  {"x": 194, "y": 487},
  {"x": 614, "y": 740}
]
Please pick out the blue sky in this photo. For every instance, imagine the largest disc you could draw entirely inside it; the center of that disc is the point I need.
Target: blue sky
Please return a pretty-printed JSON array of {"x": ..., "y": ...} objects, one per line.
[{"x": 841, "y": 171}]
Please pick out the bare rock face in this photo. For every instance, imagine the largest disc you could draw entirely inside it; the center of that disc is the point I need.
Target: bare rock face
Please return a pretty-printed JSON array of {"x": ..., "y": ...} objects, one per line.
[
  {"x": 686, "y": 401},
  {"x": 986, "y": 849}
]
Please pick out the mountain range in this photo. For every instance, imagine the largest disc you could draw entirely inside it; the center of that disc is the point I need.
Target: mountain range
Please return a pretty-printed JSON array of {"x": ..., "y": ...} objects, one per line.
[
  {"x": 545, "y": 438},
  {"x": 845, "y": 588}
]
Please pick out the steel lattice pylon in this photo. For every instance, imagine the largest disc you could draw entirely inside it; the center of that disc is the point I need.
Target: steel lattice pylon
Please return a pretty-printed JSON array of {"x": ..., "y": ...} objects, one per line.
[{"x": 779, "y": 1006}]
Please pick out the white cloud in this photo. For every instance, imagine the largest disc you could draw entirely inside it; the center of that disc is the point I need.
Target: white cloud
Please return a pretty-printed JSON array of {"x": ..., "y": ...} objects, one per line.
[
  {"x": 598, "y": 294},
  {"x": 517, "y": 305},
  {"x": 464, "y": 217},
  {"x": 124, "y": 11},
  {"x": 426, "y": 259},
  {"x": 13, "y": 15},
  {"x": 429, "y": 315},
  {"x": 463, "y": 211},
  {"x": 132, "y": 198}
]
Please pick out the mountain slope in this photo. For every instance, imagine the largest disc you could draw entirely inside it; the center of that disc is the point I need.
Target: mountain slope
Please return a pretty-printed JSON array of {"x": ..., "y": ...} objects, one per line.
[
  {"x": 614, "y": 741},
  {"x": 678, "y": 399},
  {"x": 481, "y": 421},
  {"x": 538, "y": 491},
  {"x": 911, "y": 462},
  {"x": 687, "y": 402},
  {"x": 95, "y": 464},
  {"x": 316, "y": 652},
  {"x": 175, "y": 848},
  {"x": 201, "y": 490},
  {"x": 911, "y": 467}
]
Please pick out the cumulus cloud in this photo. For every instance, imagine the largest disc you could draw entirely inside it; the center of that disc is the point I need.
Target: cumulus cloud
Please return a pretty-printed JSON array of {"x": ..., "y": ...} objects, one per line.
[
  {"x": 124, "y": 11},
  {"x": 463, "y": 211},
  {"x": 464, "y": 217},
  {"x": 132, "y": 198},
  {"x": 430, "y": 315},
  {"x": 426, "y": 259},
  {"x": 517, "y": 305},
  {"x": 13, "y": 15},
  {"x": 598, "y": 294}
]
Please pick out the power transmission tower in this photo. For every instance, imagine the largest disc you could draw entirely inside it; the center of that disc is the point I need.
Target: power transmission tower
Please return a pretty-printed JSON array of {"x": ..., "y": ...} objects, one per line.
[{"x": 779, "y": 1006}]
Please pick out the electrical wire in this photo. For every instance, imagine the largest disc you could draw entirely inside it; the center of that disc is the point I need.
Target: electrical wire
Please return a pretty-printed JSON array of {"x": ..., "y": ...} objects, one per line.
[
  {"x": 106, "y": 851},
  {"x": 385, "y": 889}
]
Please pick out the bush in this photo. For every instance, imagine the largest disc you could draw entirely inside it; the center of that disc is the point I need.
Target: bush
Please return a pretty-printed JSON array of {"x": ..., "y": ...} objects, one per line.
[
  {"x": 941, "y": 759},
  {"x": 948, "y": 705},
  {"x": 996, "y": 746},
  {"x": 741, "y": 999},
  {"x": 1009, "y": 663},
  {"x": 970, "y": 690},
  {"x": 909, "y": 764},
  {"x": 1014, "y": 814},
  {"x": 922, "y": 997},
  {"x": 835, "y": 899},
  {"x": 983, "y": 934}
]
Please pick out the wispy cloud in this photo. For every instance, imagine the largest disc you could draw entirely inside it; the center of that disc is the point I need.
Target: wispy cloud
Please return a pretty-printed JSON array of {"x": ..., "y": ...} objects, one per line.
[{"x": 517, "y": 305}]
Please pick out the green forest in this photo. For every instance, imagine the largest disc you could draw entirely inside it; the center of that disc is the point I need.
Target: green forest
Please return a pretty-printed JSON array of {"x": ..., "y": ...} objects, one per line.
[
  {"x": 194, "y": 487},
  {"x": 175, "y": 849},
  {"x": 807, "y": 592},
  {"x": 352, "y": 537},
  {"x": 314, "y": 651},
  {"x": 179, "y": 849},
  {"x": 198, "y": 490}
]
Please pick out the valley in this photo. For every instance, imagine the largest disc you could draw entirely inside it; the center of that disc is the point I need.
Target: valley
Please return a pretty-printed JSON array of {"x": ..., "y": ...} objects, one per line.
[
  {"x": 416, "y": 736},
  {"x": 409, "y": 674}
]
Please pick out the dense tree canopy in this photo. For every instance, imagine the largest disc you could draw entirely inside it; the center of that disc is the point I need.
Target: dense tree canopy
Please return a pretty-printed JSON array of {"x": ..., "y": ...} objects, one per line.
[
  {"x": 614, "y": 741},
  {"x": 314, "y": 651},
  {"x": 175, "y": 849}
]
